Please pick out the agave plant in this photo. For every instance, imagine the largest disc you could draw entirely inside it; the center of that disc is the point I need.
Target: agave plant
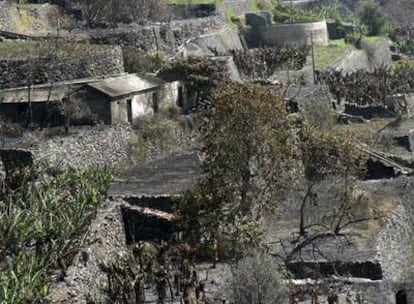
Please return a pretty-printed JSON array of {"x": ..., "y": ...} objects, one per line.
[{"x": 43, "y": 223}]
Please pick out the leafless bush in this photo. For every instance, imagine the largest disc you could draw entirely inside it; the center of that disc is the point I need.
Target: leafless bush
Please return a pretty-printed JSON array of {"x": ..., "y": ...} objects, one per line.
[
  {"x": 256, "y": 279},
  {"x": 319, "y": 115}
]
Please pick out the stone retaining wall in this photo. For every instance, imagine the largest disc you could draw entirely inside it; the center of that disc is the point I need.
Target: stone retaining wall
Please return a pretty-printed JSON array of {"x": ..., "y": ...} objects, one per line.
[
  {"x": 106, "y": 145},
  {"x": 395, "y": 244},
  {"x": 105, "y": 61}
]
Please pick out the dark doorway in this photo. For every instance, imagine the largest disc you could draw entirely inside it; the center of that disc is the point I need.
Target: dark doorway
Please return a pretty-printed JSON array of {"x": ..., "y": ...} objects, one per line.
[
  {"x": 155, "y": 102},
  {"x": 180, "y": 101},
  {"x": 401, "y": 297},
  {"x": 377, "y": 170},
  {"x": 129, "y": 110}
]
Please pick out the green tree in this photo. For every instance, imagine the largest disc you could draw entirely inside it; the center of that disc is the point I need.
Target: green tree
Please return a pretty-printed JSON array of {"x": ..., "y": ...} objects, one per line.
[
  {"x": 373, "y": 17},
  {"x": 248, "y": 152}
]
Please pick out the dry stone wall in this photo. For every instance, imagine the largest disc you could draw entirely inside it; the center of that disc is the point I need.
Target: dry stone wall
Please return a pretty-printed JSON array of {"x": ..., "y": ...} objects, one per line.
[
  {"x": 395, "y": 244},
  {"x": 85, "y": 146},
  {"x": 107, "y": 145},
  {"x": 105, "y": 61},
  {"x": 167, "y": 37}
]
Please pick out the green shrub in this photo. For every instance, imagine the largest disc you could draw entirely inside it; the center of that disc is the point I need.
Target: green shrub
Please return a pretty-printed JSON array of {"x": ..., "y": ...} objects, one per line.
[
  {"x": 281, "y": 16},
  {"x": 266, "y": 5},
  {"x": 253, "y": 5},
  {"x": 316, "y": 13}
]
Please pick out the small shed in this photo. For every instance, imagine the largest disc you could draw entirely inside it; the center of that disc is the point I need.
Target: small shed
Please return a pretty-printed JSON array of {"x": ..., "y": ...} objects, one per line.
[
  {"x": 115, "y": 99},
  {"x": 124, "y": 99}
]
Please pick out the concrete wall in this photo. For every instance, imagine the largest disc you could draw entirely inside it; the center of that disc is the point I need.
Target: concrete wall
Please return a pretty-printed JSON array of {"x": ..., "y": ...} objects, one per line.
[
  {"x": 294, "y": 34},
  {"x": 170, "y": 95},
  {"x": 117, "y": 111},
  {"x": 107, "y": 60}
]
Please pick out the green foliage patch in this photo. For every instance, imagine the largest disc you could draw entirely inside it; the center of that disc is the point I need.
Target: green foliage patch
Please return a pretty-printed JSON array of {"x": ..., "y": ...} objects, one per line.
[
  {"x": 284, "y": 13},
  {"x": 324, "y": 56},
  {"x": 372, "y": 16}
]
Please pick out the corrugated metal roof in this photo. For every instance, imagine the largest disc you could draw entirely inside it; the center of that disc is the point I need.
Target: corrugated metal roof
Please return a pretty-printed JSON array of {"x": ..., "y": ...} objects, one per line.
[{"x": 125, "y": 85}]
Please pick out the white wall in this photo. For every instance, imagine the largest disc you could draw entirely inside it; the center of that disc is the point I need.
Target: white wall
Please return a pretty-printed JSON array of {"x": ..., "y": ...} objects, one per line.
[
  {"x": 119, "y": 113},
  {"x": 295, "y": 34},
  {"x": 169, "y": 96},
  {"x": 142, "y": 105}
]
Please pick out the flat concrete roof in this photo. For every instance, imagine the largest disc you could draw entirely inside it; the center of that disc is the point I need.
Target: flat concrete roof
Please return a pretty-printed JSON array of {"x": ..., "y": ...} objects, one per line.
[
  {"x": 165, "y": 177},
  {"x": 125, "y": 85}
]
